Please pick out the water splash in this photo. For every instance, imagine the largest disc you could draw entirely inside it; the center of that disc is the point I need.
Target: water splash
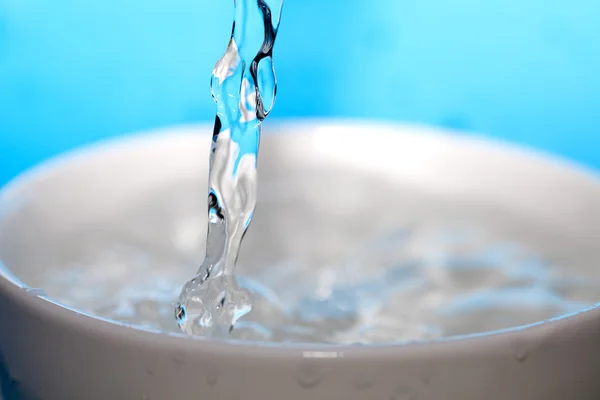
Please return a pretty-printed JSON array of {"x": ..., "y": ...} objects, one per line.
[{"x": 244, "y": 88}]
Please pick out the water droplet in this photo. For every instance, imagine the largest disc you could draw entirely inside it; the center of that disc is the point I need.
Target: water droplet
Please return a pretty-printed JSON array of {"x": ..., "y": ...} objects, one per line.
[
  {"x": 426, "y": 374},
  {"x": 179, "y": 358},
  {"x": 404, "y": 392},
  {"x": 309, "y": 376},
  {"x": 519, "y": 348},
  {"x": 36, "y": 292},
  {"x": 212, "y": 378},
  {"x": 364, "y": 381}
]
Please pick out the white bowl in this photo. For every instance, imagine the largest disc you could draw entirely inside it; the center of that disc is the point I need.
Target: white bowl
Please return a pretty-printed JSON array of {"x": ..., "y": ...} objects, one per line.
[{"x": 48, "y": 351}]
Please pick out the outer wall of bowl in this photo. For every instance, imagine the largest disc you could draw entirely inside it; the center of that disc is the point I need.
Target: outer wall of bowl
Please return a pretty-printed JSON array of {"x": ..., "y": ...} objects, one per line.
[{"x": 48, "y": 352}]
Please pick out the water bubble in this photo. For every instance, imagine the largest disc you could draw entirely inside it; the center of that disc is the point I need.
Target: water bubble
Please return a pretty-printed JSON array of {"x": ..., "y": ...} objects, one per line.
[{"x": 266, "y": 83}]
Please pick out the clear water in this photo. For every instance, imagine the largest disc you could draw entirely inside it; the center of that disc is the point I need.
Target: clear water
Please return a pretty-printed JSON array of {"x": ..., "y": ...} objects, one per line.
[
  {"x": 454, "y": 269},
  {"x": 243, "y": 86}
]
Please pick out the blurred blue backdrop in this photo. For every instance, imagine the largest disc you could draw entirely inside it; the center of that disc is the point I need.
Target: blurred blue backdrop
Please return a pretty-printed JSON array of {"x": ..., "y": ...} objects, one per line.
[{"x": 77, "y": 71}]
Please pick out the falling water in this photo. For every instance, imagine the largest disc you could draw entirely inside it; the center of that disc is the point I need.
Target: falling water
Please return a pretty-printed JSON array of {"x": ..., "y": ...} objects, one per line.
[{"x": 243, "y": 86}]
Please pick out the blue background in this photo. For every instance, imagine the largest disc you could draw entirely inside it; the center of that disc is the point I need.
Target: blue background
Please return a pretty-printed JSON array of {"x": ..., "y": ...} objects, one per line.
[{"x": 77, "y": 71}]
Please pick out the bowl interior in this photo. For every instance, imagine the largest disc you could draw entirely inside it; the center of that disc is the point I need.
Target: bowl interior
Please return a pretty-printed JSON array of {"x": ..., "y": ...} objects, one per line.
[{"x": 417, "y": 224}]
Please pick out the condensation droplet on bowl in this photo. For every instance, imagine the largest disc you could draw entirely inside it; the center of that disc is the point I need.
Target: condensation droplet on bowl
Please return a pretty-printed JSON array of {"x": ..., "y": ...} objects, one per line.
[
  {"x": 519, "y": 348},
  {"x": 426, "y": 375},
  {"x": 364, "y": 380},
  {"x": 309, "y": 376},
  {"x": 36, "y": 292},
  {"x": 404, "y": 392},
  {"x": 212, "y": 378}
]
